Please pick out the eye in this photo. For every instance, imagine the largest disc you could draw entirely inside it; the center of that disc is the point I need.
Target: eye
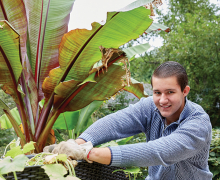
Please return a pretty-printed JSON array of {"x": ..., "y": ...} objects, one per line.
[
  {"x": 156, "y": 92},
  {"x": 170, "y": 92}
]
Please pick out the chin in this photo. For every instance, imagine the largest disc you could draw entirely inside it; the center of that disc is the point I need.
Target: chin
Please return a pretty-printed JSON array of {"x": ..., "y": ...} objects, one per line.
[{"x": 165, "y": 114}]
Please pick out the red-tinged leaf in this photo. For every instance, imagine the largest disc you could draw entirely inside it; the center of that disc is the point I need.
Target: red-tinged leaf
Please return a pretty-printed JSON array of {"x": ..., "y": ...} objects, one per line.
[
  {"x": 136, "y": 88},
  {"x": 106, "y": 85},
  {"x": 15, "y": 14},
  {"x": 79, "y": 49},
  {"x": 10, "y": 69},
  {"x": 77, "y": 59},
  {"x": 57, "y": 26}
]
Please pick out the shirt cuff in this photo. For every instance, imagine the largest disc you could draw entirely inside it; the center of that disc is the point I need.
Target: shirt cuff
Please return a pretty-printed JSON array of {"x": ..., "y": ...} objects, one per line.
[
  {"x": 116, "y": 156},
  {"x": 87, "y": 138}
]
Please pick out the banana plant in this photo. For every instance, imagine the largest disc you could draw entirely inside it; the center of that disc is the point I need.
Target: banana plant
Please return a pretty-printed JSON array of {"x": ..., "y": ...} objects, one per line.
[{"x": 39, "y": 60}]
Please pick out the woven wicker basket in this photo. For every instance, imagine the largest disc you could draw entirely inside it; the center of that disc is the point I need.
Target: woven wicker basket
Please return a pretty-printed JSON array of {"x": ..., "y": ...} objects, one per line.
[{"x": 84, "y": 171}]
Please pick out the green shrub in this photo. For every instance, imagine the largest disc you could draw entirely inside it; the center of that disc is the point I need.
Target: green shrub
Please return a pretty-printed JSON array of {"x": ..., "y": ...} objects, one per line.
[
  {"x": 6, "y": 136},
  {"x": 214, "y": 155}
]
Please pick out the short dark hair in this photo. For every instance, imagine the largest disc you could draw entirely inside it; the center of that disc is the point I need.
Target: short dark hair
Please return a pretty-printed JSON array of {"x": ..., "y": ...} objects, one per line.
[{"x": 169, "y": 69}]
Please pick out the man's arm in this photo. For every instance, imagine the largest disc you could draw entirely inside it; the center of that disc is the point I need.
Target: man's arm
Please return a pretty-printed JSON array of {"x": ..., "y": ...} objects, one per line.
[{"x": 100, "y": 155}]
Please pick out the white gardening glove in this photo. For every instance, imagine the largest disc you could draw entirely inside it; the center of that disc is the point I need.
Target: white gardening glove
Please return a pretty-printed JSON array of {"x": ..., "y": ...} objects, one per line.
[
  {"x": 73, "y": 150},
  {"x": 49, "y": 148}
]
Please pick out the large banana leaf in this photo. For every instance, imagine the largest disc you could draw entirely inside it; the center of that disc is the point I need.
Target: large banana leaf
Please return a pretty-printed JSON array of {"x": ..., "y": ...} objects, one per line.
[
  {"x": 46, "y": 28},
  {"x": 77, "y": 119},
  {"x": 79, "y": 48},
  {"x": 10, "y": 69},
  {"x": 157, "y": 26},
  {"x": 15, "y": 14},
  {"x": 134, "y": 50},
  {"x": 67, "y": 120},
  {"x": 136, "y": 4}
]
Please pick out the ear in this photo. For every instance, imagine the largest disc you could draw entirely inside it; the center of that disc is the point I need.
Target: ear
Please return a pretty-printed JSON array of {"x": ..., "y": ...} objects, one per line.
[{"x": 186, "y": 91}]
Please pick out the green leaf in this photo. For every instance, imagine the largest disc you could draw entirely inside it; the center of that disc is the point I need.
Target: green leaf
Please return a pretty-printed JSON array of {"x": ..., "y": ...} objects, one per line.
[
  {"x": 136, "y": 4},
  {"x": 85, "y": 114},
  {"x": 77, "y": 119},
  {"x": 124, "y": 140},
  {"x": 5, "y": 122},
  {"x": 14, "y": 143},
  {"x": 71, "y": 119},
  {"x": 90, "y": 78},
  {"x": 62, "y": 157},
  {"x": 17, "y": 164},
  {"x": 86, "y": 46},
  {"x": 136, "y": 88},
  {"x": 1, "y": 177},
  {"x": 57, "y": 172},
  {"x": 58, "y": 136},
  {"x": 132, "y": 170},
  {"x": 157, "y": 26},
  {"x": 14, "y": 152},
  {"x": 10, "y": 59},
  {"x": 212, "y": 153},
  {"x": 56, "y": 27},
  {"x": 135, "y": 170},
  {"x": 111, "y": 143},
  {"x": 28, "y": 147},
  {"x": 132, "y": 51}
]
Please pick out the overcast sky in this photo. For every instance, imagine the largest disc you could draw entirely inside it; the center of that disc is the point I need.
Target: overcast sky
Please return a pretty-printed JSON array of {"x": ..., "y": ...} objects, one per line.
[{"x": 87, "y": 11}]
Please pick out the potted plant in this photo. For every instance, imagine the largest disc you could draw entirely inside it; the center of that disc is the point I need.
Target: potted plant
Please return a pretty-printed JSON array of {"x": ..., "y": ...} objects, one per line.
[
  {"x": 43, "y": 165},
  {"x": 40, "y": 60}
]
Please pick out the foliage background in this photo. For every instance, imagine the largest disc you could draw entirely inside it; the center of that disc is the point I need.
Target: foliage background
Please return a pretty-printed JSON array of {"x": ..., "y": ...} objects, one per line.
[{"x": 193, "y": 42}]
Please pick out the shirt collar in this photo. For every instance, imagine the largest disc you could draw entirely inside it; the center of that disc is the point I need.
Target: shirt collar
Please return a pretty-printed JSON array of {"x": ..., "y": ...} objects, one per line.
[{"x": 184, "y": 114}]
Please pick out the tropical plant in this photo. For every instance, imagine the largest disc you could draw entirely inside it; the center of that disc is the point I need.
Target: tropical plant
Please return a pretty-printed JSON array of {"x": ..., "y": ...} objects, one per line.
[{"x": 40, "y": 60}]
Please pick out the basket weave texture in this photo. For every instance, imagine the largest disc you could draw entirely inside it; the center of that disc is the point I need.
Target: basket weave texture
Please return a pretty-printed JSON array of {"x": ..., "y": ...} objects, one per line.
[
  {"x": 96, "y": 171},
  {"x": 84, "y": 171}
]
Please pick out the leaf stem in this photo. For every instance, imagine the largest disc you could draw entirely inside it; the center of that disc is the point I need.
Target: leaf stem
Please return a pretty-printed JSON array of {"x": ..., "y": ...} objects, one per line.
[
  {"x": 72, "y": 168},
  {"x": 67, "y": 164},
  {"x": 15, "y": 175}
]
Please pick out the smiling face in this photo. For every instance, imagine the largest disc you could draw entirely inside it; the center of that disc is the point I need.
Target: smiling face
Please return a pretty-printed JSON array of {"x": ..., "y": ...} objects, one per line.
[{"x": 168, "y": 97}]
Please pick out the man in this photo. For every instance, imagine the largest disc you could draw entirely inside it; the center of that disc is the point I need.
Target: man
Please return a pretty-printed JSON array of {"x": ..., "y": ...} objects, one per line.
[{"x": 178, "y": 132}]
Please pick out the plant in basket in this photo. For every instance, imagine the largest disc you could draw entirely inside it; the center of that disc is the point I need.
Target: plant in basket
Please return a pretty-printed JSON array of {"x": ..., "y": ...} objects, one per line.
[{"x": 55, "y": 166}]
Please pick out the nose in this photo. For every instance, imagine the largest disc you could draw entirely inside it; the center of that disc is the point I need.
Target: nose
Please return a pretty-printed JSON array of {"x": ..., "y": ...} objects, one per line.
[{"x": 163, "y": 99}]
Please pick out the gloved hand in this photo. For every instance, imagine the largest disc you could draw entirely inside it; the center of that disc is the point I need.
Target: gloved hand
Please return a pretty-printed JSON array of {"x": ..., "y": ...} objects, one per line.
[
  {"x": 73, "y": 150},
  {"x": 49, "y": 148}
]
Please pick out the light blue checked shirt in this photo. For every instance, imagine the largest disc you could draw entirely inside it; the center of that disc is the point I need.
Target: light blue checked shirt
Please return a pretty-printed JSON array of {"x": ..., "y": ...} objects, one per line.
[{"x": 178, "y": 152}]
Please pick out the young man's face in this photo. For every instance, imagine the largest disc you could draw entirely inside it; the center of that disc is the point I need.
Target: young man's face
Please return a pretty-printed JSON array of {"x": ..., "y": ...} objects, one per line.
[{"x": 168, "y": 97}]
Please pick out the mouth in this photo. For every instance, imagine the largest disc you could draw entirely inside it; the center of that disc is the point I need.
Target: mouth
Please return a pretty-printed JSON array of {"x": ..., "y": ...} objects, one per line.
[{"x": 165, "y": 107}]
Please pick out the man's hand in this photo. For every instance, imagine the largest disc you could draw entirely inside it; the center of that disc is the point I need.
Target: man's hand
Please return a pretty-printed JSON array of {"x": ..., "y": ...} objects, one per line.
[{"x": 73, "y": 150}]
